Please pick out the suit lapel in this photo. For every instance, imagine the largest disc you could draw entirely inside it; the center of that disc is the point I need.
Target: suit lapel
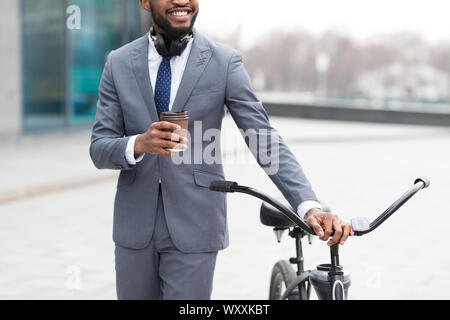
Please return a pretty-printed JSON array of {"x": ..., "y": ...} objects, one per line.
[
  {"x": 139, "y": 61},
  {"x": 196, "y": 64}
]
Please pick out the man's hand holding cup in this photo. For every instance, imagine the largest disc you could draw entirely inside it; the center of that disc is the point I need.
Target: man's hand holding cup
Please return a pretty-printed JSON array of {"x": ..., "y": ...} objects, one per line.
[{"x": 160, "y": 137}]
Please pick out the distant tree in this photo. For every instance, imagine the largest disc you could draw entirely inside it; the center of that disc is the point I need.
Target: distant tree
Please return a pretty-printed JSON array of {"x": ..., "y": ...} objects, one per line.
[
  {"x": 441, "y": 57},
  {"x": 345, "y": 65},
  {"x": 286, "y": 60}
]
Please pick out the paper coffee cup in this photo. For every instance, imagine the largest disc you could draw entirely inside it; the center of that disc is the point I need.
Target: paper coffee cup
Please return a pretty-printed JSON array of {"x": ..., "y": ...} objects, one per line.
[{"x": 180, "y": 118}]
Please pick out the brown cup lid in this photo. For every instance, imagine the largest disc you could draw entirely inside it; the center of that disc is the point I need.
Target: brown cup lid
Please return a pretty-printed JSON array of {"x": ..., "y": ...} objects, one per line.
[{"x": 180, "y": 115}]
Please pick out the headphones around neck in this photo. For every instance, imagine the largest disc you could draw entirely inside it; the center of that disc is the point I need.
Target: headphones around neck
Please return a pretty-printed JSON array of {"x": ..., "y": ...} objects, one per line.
[{"x": 176, "y": 47}]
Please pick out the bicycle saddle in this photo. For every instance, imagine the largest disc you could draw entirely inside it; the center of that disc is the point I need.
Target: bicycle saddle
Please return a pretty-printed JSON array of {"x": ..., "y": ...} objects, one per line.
[{"x": 272, "y": 217}]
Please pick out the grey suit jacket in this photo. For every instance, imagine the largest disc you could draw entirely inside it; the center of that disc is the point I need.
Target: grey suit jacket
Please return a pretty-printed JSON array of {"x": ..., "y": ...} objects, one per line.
[{"x": 196, "y": 217}]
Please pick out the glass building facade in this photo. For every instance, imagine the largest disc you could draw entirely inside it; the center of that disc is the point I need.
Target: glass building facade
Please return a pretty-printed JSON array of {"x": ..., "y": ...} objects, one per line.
[{"x": 61, "y": 66}]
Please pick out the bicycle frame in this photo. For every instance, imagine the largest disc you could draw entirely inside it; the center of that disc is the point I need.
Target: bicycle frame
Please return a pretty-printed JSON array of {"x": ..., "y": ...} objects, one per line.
[
  {"x": 302, "y": 275},
  {"x": 336, "y": 274},
  {"x": 360, "y": 227}
]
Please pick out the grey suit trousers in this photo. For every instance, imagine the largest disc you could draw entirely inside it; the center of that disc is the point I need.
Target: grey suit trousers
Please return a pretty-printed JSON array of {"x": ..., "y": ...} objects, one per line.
[{"x": 161, "y": 271}]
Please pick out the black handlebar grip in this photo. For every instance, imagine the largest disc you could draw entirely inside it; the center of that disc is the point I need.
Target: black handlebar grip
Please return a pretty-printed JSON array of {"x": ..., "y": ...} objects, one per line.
[
  {"x": 426, "y": 182},
  {"x": 222, "y": 186}
]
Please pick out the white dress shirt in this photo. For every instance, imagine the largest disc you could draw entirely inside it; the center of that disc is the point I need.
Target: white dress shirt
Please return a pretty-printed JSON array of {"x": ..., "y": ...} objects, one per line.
[{"x": 177, "y": 65}]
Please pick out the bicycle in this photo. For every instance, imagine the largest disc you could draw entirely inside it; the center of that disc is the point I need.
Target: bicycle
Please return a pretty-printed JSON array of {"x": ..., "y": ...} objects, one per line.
[{"x": 328, "y": 280}]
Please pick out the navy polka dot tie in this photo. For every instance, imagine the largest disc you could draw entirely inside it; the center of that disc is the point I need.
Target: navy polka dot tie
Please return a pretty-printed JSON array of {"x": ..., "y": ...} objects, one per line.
[{"x": 163, "y": 86}]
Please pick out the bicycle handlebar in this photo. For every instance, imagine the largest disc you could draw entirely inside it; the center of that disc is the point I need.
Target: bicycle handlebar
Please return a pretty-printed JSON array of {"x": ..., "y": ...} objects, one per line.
[
  {"x": 360, "y": 226},
  {"x": 231, "y": 187},
  {"x": 365, "y": 227}
]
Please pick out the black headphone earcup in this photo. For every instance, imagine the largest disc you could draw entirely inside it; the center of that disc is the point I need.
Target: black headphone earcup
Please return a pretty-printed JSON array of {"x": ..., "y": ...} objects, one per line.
[
  {"x": 160, "y": 45},
  {"x": 176, "y": 46}
]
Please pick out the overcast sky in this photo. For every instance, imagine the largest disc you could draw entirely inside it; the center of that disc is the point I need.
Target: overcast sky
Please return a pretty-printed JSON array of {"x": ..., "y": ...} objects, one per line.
[{"x": 361, "y": 19}]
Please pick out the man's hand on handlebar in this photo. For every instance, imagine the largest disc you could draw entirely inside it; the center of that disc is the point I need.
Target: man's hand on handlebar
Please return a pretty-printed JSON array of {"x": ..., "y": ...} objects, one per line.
[{"x": 323, "y": 224}]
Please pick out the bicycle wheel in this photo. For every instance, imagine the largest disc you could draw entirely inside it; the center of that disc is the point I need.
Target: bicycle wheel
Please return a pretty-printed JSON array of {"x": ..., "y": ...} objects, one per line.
[{"x": 282, "y": 276}]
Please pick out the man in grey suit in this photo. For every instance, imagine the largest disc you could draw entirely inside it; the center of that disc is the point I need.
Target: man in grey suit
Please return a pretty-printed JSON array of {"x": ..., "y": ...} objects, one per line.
[{"x": 168, "y": 226}]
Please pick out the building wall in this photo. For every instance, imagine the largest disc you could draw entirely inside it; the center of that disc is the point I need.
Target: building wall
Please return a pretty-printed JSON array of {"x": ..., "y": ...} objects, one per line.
[{"x": 10, "y": 66}]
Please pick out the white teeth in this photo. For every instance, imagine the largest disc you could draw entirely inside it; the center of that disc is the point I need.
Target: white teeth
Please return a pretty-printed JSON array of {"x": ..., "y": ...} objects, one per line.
[{"x": 179, "y": 13}]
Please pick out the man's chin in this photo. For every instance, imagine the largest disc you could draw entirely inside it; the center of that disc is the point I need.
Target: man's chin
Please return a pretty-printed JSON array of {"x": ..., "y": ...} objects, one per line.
[
  {"x": 177, "y": 30},
  {"x": 177, "y": 33}
]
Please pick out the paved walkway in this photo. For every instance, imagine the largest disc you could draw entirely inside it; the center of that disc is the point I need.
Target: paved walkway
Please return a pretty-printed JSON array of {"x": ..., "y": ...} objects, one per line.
[{"x": 56, "y": 214}]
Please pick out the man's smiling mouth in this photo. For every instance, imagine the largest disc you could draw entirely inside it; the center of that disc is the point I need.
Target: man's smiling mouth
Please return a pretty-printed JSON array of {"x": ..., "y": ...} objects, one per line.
[{"x": 180, "y": 12}]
